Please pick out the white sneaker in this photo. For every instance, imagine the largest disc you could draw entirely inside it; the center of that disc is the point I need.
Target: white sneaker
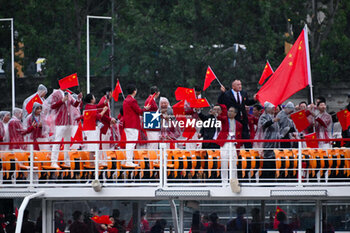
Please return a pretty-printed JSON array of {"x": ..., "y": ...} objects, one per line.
[
  {"x": 55, "y": 165},
  {"x": 131, "y": 164}
]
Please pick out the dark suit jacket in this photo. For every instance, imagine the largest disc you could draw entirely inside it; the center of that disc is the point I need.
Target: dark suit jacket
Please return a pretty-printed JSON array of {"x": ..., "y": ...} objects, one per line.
[
  {"x": 208, "y": 133},
  {"x": 229, "y": 100}
]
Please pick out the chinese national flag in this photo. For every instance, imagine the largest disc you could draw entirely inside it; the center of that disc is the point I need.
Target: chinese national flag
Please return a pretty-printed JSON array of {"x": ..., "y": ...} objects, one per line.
[
  {"x": 209, "y": 77},
  {"x": 78, "y": 136},
  {"x": 300, "y": 120},
  {"x": 311, "y": 143},
  {"x": 179, "y": 109},
  {"x": 344, "y": 118},
  {"x": 117, "y": 91},
  {"x": 31, "y": 102},
  {"x": 183, "y": 93},
  {"x": 266, "y": 73},
  {"x": 199, "y": 103},
  {"x": 189, "y": 132},
  {"x": 89, "y": 120},
  {"x": 59, "y": 231},
  {"x": 69, "y": 81},
  {"x": 276, "y": 222},
  {"x": 291, "y": 76}
]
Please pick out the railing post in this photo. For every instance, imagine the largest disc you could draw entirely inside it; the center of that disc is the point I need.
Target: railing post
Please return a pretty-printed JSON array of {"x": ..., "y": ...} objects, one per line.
[
  {"x": 230, "y": 152},
  {"x": 299, "y": 164},
  {"x": 96, "y": 162},
  {"x": 31, "y": 164},
  {"x": 161, "y": 162}
]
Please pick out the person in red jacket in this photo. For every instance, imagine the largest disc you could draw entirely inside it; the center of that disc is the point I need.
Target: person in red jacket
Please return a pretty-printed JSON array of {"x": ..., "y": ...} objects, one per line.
[
  {"x": 132, "y": 123},
  {"x": 94, "y": 135},
  {"x": 106, "y": 130},
  {"x": 39, "y": 132},
  {"x": 153, "y": 134},
  {"x": 230, "y": 129},
  {"x": 62, "y": 105}
]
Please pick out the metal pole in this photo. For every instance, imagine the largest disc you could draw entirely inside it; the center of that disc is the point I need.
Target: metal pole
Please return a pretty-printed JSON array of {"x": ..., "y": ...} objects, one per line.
[
  {"x": 87, "y": 56},
  {"x": 299, "y": 164},
  {"x": 161, "y": 164},
  {"x": 13, "y": 66},
  {"x": 88, "y": 48},
  {"x": 174, "y": 215},
  {"x": 181, "y": 217},
  {"x": 112, "y": 58},
  {"x": 43, "y": 215},
  {"x": 31, "y": 170},
  {"x": 23, "y": 207},
  {"x": 318, "y": 216}
]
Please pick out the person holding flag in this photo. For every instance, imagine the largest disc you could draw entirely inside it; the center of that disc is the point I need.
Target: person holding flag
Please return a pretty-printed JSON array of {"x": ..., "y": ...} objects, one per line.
[
  {"x": 132, "y": 123},
  {"x": 39, "y": 131},
  {"x": 238, "y": 99},
  {"x": 92, "y": 133},
  {"x": 323, "y": 125},
  {"x": 61, "y": 106},
  {"x": 41, "y": 92},
  {"x": 286, "y": 125},
  {"x": 106, "y": 132},
  {"x": 152, "y": 134}
]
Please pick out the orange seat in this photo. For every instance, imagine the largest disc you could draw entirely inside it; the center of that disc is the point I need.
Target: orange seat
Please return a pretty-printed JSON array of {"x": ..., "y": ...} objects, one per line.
[
  {"x": 9, "y": 165},
  {"x": 278, "y": 156}
]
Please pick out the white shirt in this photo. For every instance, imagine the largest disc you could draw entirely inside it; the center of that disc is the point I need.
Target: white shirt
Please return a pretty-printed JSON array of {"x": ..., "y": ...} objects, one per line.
[{"x": 235, "y": 95}]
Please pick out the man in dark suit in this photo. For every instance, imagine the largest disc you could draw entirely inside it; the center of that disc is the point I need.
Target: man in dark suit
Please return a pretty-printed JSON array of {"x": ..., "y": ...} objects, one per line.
[{"x": 238, "y": 99}]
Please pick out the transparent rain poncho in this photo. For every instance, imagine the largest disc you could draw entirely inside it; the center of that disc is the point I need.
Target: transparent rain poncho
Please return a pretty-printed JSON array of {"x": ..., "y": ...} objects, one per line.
[
  {"x": 285, "y": 123},
  {"x": 267, "y": 129},
  {"x": 16, "y": 130},
  {"x": 59, "y": 113},
  {"x": 40, "y": 91},
  {"x": 40, "y": 130}
]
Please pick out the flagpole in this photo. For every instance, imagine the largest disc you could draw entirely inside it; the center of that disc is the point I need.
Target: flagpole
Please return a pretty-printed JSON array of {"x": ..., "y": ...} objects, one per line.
[
  {"x": 308, "y": 62},
  {"x": 121, "y": 89},
  {"x": 218, "y": 81},
  {"x": 215, "y": 76},
  {"x": 270, "y": 66}
]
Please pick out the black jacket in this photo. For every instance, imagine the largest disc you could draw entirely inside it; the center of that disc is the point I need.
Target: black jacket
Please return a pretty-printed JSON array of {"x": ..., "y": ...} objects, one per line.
[{"x": 208, "y": 133}]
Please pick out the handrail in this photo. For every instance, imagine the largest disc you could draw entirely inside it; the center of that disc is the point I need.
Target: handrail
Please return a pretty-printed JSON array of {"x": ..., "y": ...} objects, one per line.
[{"x": 180, "y": 141}]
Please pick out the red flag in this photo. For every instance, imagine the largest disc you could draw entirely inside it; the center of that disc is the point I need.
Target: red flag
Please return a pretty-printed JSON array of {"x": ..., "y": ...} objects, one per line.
[
  {"x": 29, "y": 106},
  {"x": 300, "y": 120},
  {"x": 104, "y": 219},
  {"x": 16, "y": 212},
  {"x": 89, "y": 120},
  {"x": 183, "y": 93},
  {"x": 179, "y": 109},
  {"x": 59, "y": 231},
  {"x": 344, "y": 118},
  {"x": 276, "y": 222},
  {"x": 266, "y": 73},
  {"x": 311, "y": 143},
  {"x": 69, "y": 81},
  {"x": 78, "y": 136},
  {"x": 117, "y": 91},
  {"x": 291, "y": 76},
  {"x": 150, "y": 100},
  {"x": 199, "y": 103},
  {"x": 209, "y": 77}
]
